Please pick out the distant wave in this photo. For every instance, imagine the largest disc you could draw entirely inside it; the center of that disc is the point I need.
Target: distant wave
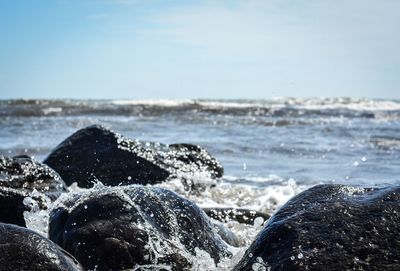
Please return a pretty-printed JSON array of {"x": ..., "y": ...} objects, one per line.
[
  {"x": 278, "y": 107},
  {"x": 310, "y": 103}
]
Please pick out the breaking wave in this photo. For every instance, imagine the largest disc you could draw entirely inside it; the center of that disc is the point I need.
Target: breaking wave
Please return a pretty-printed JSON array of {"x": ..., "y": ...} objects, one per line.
[{"x": 279, "y": 107}]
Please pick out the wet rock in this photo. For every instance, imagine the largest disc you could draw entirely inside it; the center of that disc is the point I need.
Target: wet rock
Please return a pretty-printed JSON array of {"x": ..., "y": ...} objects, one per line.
[
  {"x": 331, "y": 227},
  {"x": 26, "y": 174},
  {"x": 14, "y": 202},
  {"x": 113, "y": 228},
  {"x": 193, "y": 155},
  {"x": 23, "y": 249},
  {"x": 95, "y": 153},
  {"x": 12, "y": 206},
  {"x": 240, "y": 215}
]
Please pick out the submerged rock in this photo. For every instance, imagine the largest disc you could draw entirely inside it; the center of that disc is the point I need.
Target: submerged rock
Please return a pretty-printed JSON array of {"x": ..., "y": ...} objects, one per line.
[
  {"x": 96, "y": 153},
  {"x": 23, "y": 249},
  {"x": 26, "y": 174},
  {"x": 113, "y": 228},
  {"x": 331, "y": 227}
]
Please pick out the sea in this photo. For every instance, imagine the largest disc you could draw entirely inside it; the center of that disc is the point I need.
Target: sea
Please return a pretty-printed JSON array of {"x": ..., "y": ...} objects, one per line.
[{"x": 270, "y": 149}]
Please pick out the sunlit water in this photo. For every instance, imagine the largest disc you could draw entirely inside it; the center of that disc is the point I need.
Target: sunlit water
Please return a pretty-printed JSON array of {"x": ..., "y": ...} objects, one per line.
[{"x": 270, "y": 150}]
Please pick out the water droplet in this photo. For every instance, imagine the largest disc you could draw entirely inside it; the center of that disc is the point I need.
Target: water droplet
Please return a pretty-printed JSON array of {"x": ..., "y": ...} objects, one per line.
[
  {"x": 364, "y": 159},
  {"x": 300, "y": 256},
  {"x": 356, "y": 164},
  {"x": 85, "y": 206},
  {"x": 258, "y": 222},
  {"x": 292, "y": 258}
]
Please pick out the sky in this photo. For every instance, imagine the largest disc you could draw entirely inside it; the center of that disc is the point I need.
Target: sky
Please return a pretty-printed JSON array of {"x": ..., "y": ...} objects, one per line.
[{"x": 158, "y": 49}]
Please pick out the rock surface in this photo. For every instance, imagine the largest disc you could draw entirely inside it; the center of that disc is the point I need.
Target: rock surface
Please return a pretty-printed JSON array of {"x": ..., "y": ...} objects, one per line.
[
  {"x": 96, "y": 153},
  {"x": 113, "y": 228},
  {"x": 23, "y": 249},
  {"x": 331, "y": 227},
  {"x": 26, "y": 174},
  {"x": 12, "y": 206}
]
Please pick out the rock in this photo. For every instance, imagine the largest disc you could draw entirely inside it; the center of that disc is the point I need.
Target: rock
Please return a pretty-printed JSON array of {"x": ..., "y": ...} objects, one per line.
[
  {"x": 194, "y": 156},
  {"x": 331, "y": 227},
  {"x": 113, "y": 228},
  {"x": 23, "y": 249},
  {"x": 95, "y": 153},
  {"x": 237, "y": 214},
  {"x": 26, "y": 174},
  {"x": 12, "y": 206},
  {"x": 23, "y": 178},
  {"x": 17, "y": 205}
]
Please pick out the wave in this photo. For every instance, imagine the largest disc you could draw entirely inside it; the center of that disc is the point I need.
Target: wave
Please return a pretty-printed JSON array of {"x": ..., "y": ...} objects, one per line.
[{"x": 278, "y": 107}]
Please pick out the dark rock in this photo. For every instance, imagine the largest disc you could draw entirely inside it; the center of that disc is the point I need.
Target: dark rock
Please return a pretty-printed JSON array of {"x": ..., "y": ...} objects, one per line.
[
  {"x": 22, "y": 177},
  {"x": 95, "y": 153},
  {"x": 12, "y": 206},
  {"x": 331, "y": 227},
  {"x": 23, "y": 249},
  {"x": 240, "y": 215},
  {"x": 122, "y": 227},
  {"x": 25, "y": 174},
  {"x": 194, "y": 155},
  {"x": 14, "y": 202}
]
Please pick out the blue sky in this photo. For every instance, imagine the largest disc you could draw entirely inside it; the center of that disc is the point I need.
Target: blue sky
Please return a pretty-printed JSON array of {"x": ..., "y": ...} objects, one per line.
[{"x": 199, "y": 49}]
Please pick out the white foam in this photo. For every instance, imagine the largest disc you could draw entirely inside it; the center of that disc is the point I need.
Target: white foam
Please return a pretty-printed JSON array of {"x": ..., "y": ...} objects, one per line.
[
  {"x": 51, "y": 110},
  {"x": 37, "y": 219},
  {"x": 161, "y": 102},
  {"x": 229, "y": 104},
  {"x": 357, "y": 104},
  {"x": 262, "y": 199}
]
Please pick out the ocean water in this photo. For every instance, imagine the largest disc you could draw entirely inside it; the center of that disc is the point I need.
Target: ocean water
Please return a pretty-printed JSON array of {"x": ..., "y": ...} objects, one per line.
[{"x": 270, "y": 149}]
